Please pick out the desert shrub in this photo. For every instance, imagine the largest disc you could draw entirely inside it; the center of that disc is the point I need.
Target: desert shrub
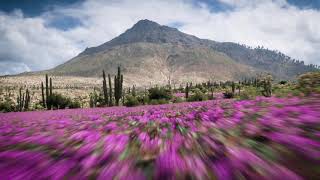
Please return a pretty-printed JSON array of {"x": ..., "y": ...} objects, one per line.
[
  {"x": 249, "y": 93},
  {"x": 283, "y": 82},
  {"x": 163, "y": 101},
  {"x": 228, "y": 95},
  {"x": 38, "y": 106},
  {"x": 154, "y": 102},
  {"x": 177, "y": 100},
  {"x": 159, "y": 93},
  {"x": 197, "y": 95},
  {"x": 7, "y": 105},
  {"x": 143, "y": 99},
  {"x": 131, "y": 101},
  {"x": 58, "y": 101},
  {"x": 309, "y": 83},
  {"x": 74, "y": 104},
  {"x": 96, "y": 99}
]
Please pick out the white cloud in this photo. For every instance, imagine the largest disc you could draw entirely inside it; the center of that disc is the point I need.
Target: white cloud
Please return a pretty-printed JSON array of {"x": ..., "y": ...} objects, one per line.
[{"x": 274, "y": 24}]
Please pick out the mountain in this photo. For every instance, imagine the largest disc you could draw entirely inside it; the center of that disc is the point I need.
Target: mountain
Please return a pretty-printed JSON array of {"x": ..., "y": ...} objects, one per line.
[{"x": 151, "y": 53}]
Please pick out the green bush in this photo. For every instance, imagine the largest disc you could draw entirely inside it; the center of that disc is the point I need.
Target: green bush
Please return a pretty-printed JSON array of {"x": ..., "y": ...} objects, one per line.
[
  {"x": 131, "y": 101},
  {"x": 228, "y": 95},
  {"x": 38, "y": 106},
  {"x": 159, "y": 93},
  {"x": 177, "y": 100},
  {"x": 197, "y": 95},
  {"x": 283, "y": 82},
  {"x": 58, "y": 101},
  {"x": 74, "y": 104},
  {"x": 7, "y": 106},
  {"x": 143, "y": 99},
  {"x": 309, "y": 83},
  {"x": 163, "y": 101},
  {"x": 249, "y": 93}
]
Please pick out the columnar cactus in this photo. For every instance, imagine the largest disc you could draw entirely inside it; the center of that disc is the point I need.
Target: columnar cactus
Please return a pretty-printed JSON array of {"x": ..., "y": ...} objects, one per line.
[
  {"x": 233, "y": 86},
  {"x": 23, "y": 100},
  {"x": 133, "y": 91},
  {"x": 187, "y": 91},
  {"x": 110, "y": 91},
  {"x": 27, "y": 100},
  {"x": 50, "y": 92},
  {"x": 47, "y": 92},
  {"x": 105, "y": 90},
  {"x": 118, "y": 81},
  {"x": 42, "y": 93}
]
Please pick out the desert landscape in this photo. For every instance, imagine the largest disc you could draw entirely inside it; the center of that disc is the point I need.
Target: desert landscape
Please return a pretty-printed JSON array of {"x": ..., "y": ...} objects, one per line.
[{"x": 86, "y": 97}]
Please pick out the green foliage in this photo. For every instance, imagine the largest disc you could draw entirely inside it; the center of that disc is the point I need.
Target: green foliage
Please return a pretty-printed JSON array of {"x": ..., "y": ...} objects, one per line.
[
  {"x": 309, "y": 83},
  {"x": 133, "y": 90},
  {"x": 187, "y": 91},
  {"x": 74, "y": 104},
  {"x": 110, "y": 91},
  {"x": 47, "y": 92},
  {"x": 249, "y": 92},
  {"x": 177, "y": 100},
  {"x": 283, "y": 82},
  {"x": 23, "y": 100},
  {"x": 143, "y": 99},
  {"x": 266, "y": 83},
  {"x": 159, "y": 93},
  {"x": 197, "y": 95},
  {"x": 105, "y": 89},
  {"x": 58, "y": 101},
  {"x": 38, "y": 106},
  {"x": 118, "y": 84},
  {"x": 131, "y": 101},
  {"x": 233, "y": 86},
  {"x": 42, "y": 94},
  {"x": 285, "y": 90},
  {"x": 228, "y": 95},
  {"x": 96, "y": 99},
  {"x": 7, "y": 105}
]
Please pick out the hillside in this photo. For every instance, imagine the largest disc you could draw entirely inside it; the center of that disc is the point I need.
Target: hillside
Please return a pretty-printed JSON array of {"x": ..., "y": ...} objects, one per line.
[{"x": 151, "y": 53}]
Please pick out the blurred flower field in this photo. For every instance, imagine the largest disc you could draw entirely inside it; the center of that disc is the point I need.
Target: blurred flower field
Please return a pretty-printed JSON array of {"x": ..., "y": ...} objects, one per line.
[{"x": 265, "y": 138}]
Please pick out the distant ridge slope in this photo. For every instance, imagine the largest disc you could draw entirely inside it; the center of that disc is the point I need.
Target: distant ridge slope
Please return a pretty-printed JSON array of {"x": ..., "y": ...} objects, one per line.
[{"x": 151, "y": 53}]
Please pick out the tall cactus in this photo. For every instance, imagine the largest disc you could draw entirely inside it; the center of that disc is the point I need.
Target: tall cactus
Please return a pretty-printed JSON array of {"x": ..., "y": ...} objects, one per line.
[
  {"x": 115, "y": 81},
  {"x": 233, "y": 86},
  {"x": 118, "y": 81},
  {"x": 19, "y": 100},
  {"x": 110, "y": 91},
  {"x": 187, "y": 91},
  {"x": 50, "y": 89},
  {"x": 27, "y": 100},
  {"x": 105, "y": 89},
  {"x": 23, "y": 100},
  {"x": 133, "y": 91},
  {"x": 47, "y": 92},
  {"x": 42, "y": 93}
]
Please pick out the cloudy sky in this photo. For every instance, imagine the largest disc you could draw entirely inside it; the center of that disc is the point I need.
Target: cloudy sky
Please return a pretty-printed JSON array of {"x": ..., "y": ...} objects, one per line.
[{"x": 40, "y": 34}]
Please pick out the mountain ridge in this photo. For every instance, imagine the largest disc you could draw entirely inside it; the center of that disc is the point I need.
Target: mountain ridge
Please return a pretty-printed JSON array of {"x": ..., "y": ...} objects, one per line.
[{"x": 148, "y": 43}]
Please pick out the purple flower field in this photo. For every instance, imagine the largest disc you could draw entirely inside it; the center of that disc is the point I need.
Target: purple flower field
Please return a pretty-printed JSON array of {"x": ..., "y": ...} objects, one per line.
[{"x": 266, "y": 138}]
